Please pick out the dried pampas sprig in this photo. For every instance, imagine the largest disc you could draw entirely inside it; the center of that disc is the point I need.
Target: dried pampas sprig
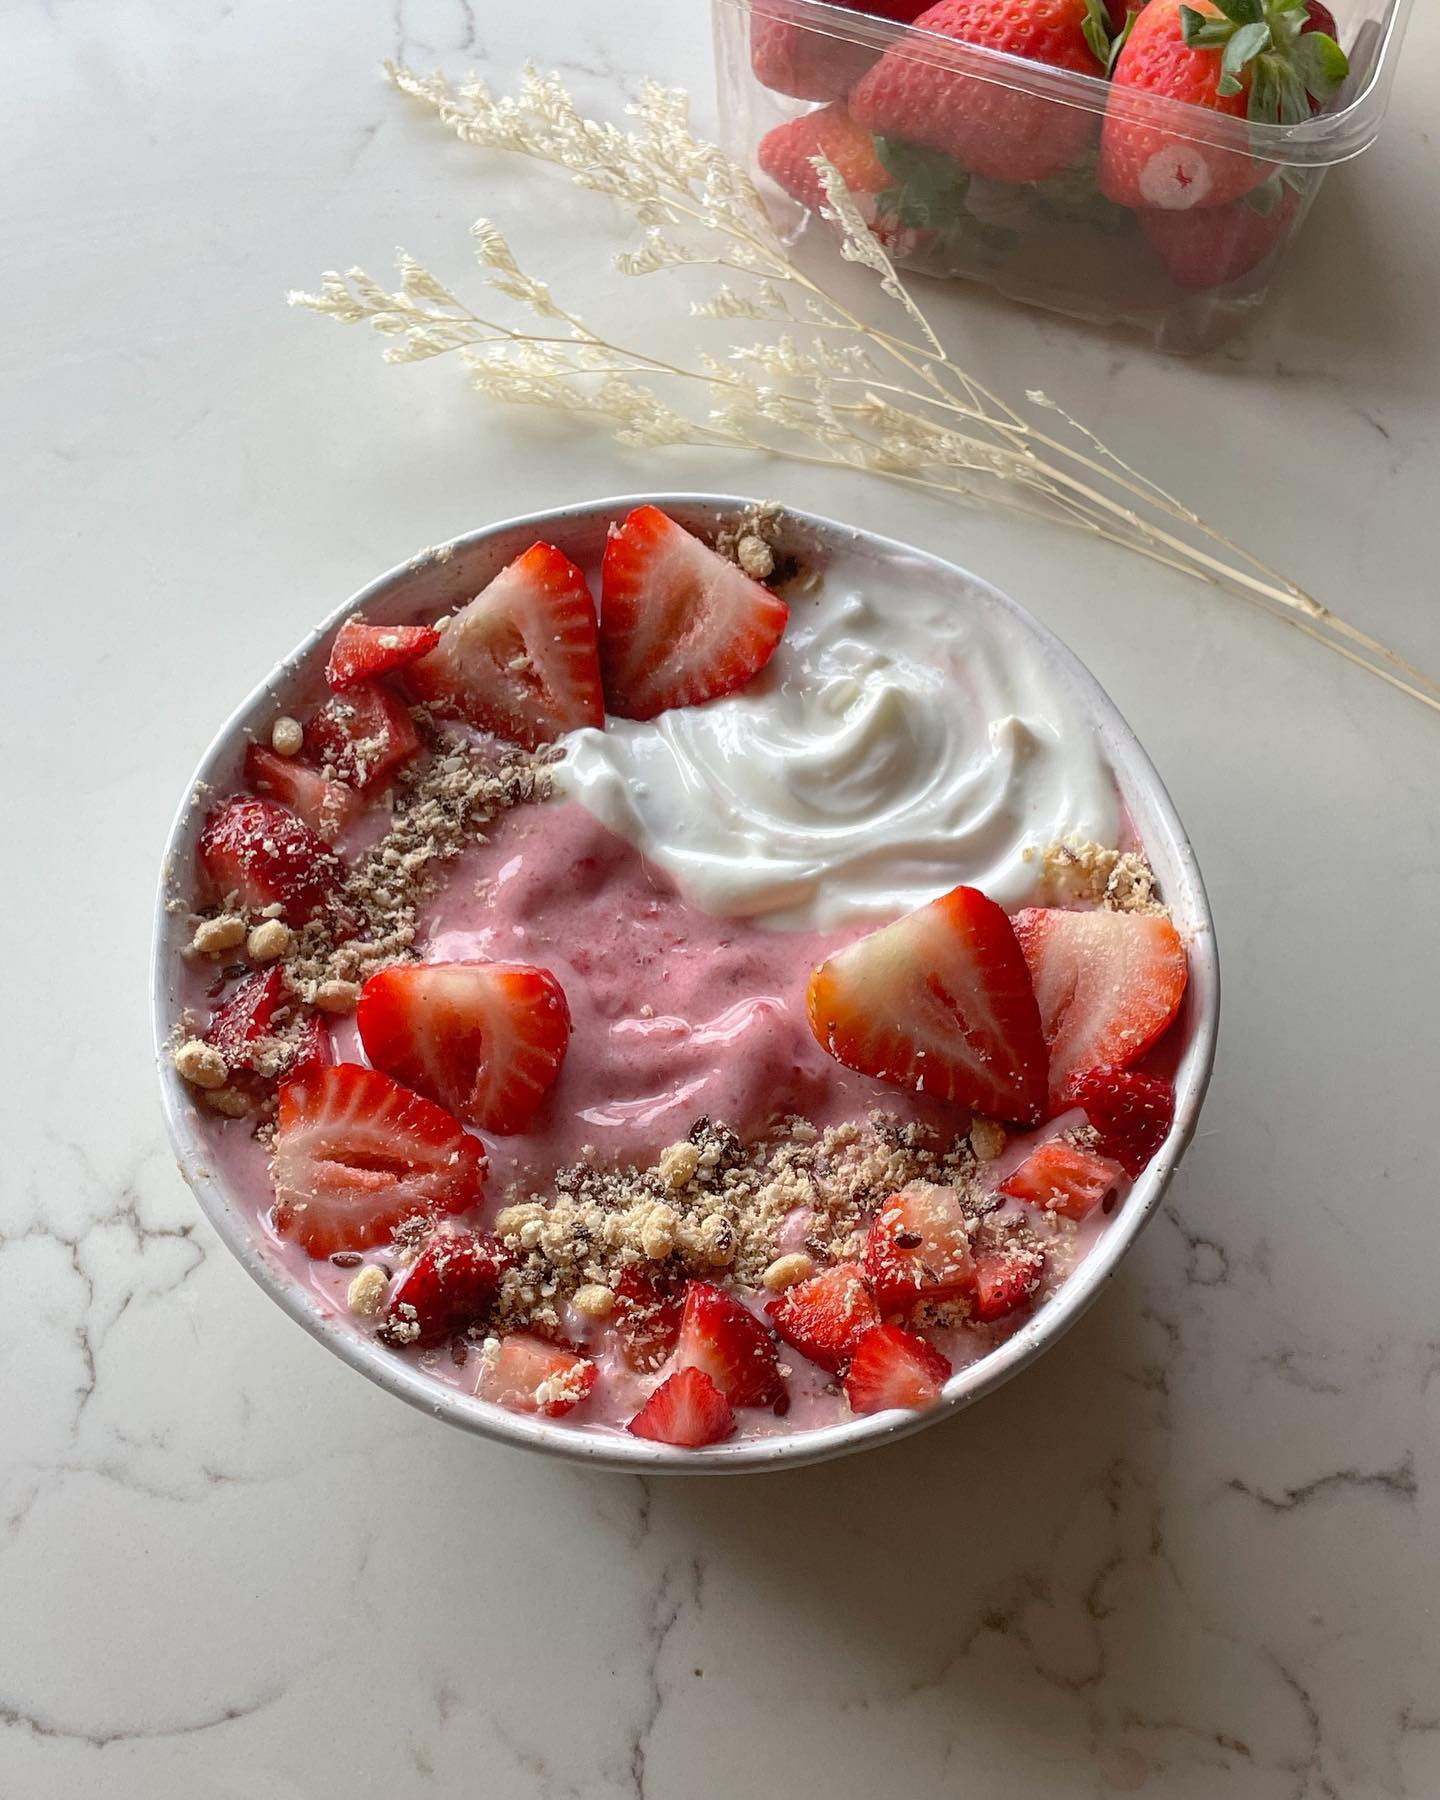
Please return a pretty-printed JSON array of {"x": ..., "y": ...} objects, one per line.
[{"x": 820, "y": 384}]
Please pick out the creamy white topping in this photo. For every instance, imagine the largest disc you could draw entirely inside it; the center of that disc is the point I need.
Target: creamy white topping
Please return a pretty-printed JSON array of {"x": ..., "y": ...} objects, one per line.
[{"x": 906, "y": 736}]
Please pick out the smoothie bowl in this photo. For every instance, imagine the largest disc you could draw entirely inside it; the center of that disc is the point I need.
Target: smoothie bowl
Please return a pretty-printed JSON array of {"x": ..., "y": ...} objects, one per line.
[{"x": 720, "y": 1027}]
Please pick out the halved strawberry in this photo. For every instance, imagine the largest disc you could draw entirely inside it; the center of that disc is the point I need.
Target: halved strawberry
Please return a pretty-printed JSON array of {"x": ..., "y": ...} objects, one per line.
[
  {"x": 1107, "y": 984},
  {"x": 647, "y": 1318},
  {"x": 325, "y": 806},
  {"x": 918, "y": 1249},
  {"x": 449, "y": 1286},
  {"x": 527, "y": 1374},
  {"x": 687, "y": 1410},
  {"x": 248, "y": 1014},
  {"x": 678, "y": 623},
  {"x": 1006, "y": 1280},
  {"x": 265, "y": 855},
  {"x": 941, "y": 1002},
  {"x": 521, "y": 659},
  {"x": 361, "y": 652},
  {"x": 825, "y": 1317},
  {"x": 1131, "y": 1113},
  {"x": 734, "y": 1349},
  {"x": 1063, "y": 1178},
  {"x": 484, "y": 1039},
  {"x": 892, "y": 1367},
  {"x": 355, "y": 1153},
  {"x": 366, "y": 735}
]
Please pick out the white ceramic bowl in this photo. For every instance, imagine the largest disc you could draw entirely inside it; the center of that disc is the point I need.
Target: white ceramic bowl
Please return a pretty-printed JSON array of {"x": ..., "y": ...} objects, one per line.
[{"x": 434, "y": 582}]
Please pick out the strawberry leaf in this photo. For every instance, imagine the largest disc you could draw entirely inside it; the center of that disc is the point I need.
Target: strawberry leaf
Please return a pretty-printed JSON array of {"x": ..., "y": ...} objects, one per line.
[
  {"x": 1122, "y": 38},
  {"x": 1321, "y": 64},
  {"x": 1247, "y": 43},
  {"x": 1201, "y": 32},
  {"x": 1243, "y": 12},
  {"x": 1096, "y": 31}
]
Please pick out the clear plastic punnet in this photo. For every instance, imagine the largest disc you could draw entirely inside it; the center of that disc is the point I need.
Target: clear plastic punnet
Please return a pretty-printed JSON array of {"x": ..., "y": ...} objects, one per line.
[{"x": 1053, "y": 185}]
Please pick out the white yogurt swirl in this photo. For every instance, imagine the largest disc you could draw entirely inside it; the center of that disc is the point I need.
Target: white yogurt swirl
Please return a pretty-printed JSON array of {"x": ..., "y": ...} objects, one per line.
[{"x": 905, "y": 737}]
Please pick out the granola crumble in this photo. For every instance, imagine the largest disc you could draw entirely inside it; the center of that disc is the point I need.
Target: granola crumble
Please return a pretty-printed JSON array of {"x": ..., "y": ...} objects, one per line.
[{"x": 1078, "y": 871}]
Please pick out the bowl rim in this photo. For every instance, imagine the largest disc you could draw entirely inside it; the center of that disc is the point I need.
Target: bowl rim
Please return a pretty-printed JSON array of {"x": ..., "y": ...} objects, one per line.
[{"x": 1074, "y": 1297}]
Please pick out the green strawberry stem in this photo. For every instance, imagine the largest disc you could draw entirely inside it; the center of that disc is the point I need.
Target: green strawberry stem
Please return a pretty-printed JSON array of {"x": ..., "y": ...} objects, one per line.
[{"x": 1288, "y": 65}]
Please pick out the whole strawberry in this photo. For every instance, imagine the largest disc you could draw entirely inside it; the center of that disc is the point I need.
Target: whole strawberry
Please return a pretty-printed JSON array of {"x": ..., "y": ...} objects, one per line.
[
  {"x": 1211, "y": 245},
  {"x": 993, "y": 129},
  {"x": 791, "y": 58},
  {"x": 1263, "y": 60}
]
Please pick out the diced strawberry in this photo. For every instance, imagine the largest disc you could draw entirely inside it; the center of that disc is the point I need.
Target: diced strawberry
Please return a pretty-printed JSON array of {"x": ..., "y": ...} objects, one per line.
[
  {"x": 449, "y": 1286},
  {"x": 678, "y": 623},
  {"x": 325, "y": 806},
  {"x": 312, "y": 1047},
  {"x": 891, "y": 1368},
  {"x": 248, "y": 1014},
  {"x": 484, "y": 1039},
  {"x": 918, "y": 1249},
  {"x": 1063, "y": 1178},
  {"x": 1006, "y": 1280},
  {"x": 529, "y": 1375},
  {"x": 734, "y": 1349},
  {"x": 941, "y": 1002},
  {"x": 522, "y": 658},
  {"x": 825, "y": 1317},
  {"x": 361, "y": 652},
  {"x": 1131, "y": 1113},
  {"x": 266, "y": 856},
  {"x": 687, "y": 1410},
  {"x": 1107, "y": 983},
  {"x": 366, "y": 735},
  {"x": 647, "y": 1318},
  {"x": 355, "y": 1153}
]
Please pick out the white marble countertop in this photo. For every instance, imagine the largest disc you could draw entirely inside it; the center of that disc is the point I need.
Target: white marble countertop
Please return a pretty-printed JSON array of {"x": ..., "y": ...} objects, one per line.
[{"x": 1190, "y": 1554}]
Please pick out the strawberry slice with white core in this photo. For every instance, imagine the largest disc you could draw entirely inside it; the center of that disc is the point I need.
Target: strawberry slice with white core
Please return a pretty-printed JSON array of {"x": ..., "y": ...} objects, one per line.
[
  {"x": 449, "y": 1286},
  {"x": 826, "y": 1316},
  {"x": 918, "y": 1249},
  {"x": 1107, "y": 983},
  {"x": 686, "y": 1410},
  {"x": 361, "y": 652},
  {"x": 1061, "y": 1177},
  {"x": 678, "y": 623},
  {"x": 1005, "y": 1281},
  {"x": 941, "y": 1002},
  {"x": 355, "y": 1153},
  {"x": 894, "y": 1368},
  {"x": 718, "y": 1335},
  {"x": 264, "y": 855},
  {"x": 522, "y": 658},
  {"x": 364, "y": 736},
  {"x": 486, "y": 1040},
  {"x": 1131, "y": 1112},
  {"x": 529, "y": 1375},
  {"x": 327, "y": 807}
]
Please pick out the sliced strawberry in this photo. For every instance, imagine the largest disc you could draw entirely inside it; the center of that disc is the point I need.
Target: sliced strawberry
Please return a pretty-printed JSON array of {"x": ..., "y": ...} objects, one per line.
[
  {"x": 918, "y": 1249},
  {"x": 265, "y": 855},
  {"x": 484, "y": 1039},
  {"x": 1063, "y": 1178},
  {"x": 361, "y": 652},
  {"x": 247, "y": 1015},
  {"x": 521, "y": 659},
  {"x": 825, "y": 1317},
  {"x": 449, "y": 1286},
  {"x": 1006, "y": 1280},
  {"x": 892, "y": 1367},
  {"x": 687, "y": 1409},
  {"x": 312, "y": 1047},
  {"x": 526, "y": 1374},
  {"x": 647, "y": 1318},
  {"x": 325, "y": 806},
  {"x": 1131, "y": 1113},
  {"x": 678, "y": 623},
  {"x": 734, "y": 1349},
  {"x": 365, "y": 735},
  {"x": 1107, "y": 983},
  {"x": 355, "y": 1153}
]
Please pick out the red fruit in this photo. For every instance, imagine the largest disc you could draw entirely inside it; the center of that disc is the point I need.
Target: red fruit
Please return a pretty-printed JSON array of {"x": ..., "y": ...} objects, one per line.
[
  {"x": 325, "y": 806},
  {"x": 1006, "y": 1280},
  {"x": 825, "y": 1317},
  {"x": 918, "y": 1249},
  {"x": 1063, "y": 1178},
  {"x": 521, "y": 659},
  {"x": 891, "y": 1368},
  {"x": 365, "y": 735},
  {"x": 678, "y": 623},
  {"x": 785, "y": 152},
  {"x": 312, "y": 1048},
  {"x": 361, "y": 652},
  {"x": 355, "y": 1153},
  {"x": 647, "y": 1318},
  {"x": 687, "y": 1409},
  {"x": 449, "y": 1286},
  {"x": 941, "y": 1002},
  {"x": 1215, "y": 244},
  {"x": 264, "y": 855},
  {"x": 994, "y": 129},
  {"x": 790, "y": 58},
  {"x": 1107, "y": 984},
  {"x": 247, "y": 1015},
  {"x": 1131, "y": 1113},
  {"x": 484, "y": 1039},
  {"x": 527, "y": 1374},
  {"x": 734, "y": 1349}
]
